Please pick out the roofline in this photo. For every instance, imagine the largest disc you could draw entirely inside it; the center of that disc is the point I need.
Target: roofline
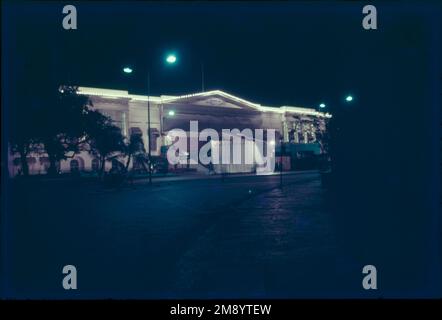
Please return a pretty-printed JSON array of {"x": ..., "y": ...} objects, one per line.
[{"x": 124, "y": 94}]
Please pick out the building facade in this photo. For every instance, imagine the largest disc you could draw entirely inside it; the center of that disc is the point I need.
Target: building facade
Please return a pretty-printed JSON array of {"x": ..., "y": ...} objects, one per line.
[{"x": 295, "y": 126}]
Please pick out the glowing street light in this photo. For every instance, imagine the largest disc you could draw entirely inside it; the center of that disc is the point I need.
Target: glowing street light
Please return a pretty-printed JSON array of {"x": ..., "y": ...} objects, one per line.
[
  {"x": 322, "y": 105},
  {"x": 171, "y": 113},
  {"x": 171, "y": 59},
  {"x": 349, "y": 98},
  {"x": 127, "y": 70}
]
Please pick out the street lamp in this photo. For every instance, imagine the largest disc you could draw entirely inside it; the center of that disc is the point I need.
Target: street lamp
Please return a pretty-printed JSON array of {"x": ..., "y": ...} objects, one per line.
[
  {"x": 127, "y": 70},
  {"x": 322, "y": 105},
  {"x": 171, "y": 113},
  {"x": 349, "y": 98},
  {"x": 281, "y": 143},
  {"x": 171, "y": 59}
]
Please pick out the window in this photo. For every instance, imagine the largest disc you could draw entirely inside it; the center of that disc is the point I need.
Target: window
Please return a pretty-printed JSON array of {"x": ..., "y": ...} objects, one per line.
[
  {"x": 95, "y": 164},
  {"x": 154, "y": 134},
  {"x": 74, "y": 166},
  {"x": 136, "y": 131},
  {"x": 31, "y": 160},
  {"x": 44, "y": 161}
]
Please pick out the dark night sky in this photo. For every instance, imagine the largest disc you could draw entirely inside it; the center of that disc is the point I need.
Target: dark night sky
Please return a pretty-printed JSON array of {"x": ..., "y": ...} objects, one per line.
[{"x": 270, "y": 53}]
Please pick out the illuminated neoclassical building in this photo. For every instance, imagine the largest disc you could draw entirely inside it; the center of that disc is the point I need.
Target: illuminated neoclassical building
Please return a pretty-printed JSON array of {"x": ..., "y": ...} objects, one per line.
[{"x": 298, "y": 127}]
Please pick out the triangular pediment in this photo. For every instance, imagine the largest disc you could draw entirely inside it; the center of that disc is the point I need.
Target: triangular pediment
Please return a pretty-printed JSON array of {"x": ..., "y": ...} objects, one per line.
[
  {"x": 217, "y": 98},
  {"x": 216, "y": 102}
]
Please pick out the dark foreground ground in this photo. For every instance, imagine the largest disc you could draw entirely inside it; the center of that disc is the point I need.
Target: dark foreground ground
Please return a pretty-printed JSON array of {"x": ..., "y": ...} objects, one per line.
[{"x": 243, "y": 237}]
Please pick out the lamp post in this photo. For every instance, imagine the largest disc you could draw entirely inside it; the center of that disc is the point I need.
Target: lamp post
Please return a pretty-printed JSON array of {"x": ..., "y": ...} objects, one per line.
[
  {"x": 148, "y": 129},
  {"x": 334, "y": 133},
  {"x": 170, "y": 59},
  {"x": 281, "y": 143}
]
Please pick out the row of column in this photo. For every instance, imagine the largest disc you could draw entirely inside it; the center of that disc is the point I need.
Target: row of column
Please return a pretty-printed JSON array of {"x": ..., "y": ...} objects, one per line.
[{"x": 299, "y": 131}]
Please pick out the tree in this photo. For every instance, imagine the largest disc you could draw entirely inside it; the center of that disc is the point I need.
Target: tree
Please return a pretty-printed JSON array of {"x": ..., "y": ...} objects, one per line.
[
  {"x": 22, "y": 142},
  {"x": 105, "y": 139},
  {"x": 65, "y": 123},
  {"x": 134, "y": 149},
  {"x": 22, "y": 127}
]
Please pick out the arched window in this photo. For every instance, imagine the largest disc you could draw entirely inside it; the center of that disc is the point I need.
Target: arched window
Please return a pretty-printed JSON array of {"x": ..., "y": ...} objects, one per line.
[
  {"x": 44, "y": 161},
  {"x": 154, "y": 134},
  {"x": 135, "y": 131},
  {"x": 74, "y": 165},
  {"x": 31, "y": 160},
  {"x": 95, "y": 164}
]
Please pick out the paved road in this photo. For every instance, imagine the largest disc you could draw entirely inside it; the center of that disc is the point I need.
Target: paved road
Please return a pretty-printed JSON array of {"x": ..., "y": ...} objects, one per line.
[{"x": 244, "y": 237}]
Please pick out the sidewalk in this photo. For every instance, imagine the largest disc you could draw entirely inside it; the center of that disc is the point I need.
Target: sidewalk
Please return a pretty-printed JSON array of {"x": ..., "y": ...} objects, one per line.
[
  {"x": 143, "y": 180},
  {"x": 196, "y": 176}
]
